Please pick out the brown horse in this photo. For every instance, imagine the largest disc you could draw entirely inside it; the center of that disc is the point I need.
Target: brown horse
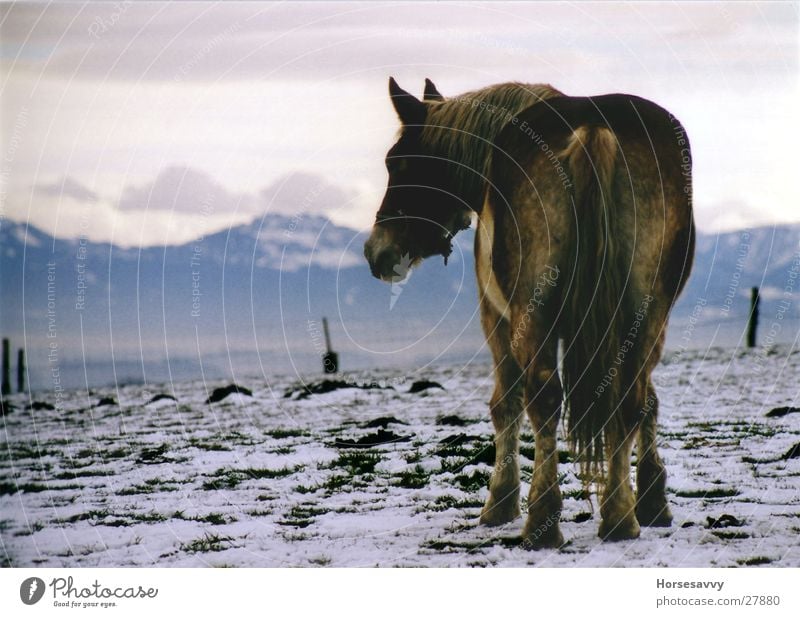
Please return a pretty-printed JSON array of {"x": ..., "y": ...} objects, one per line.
[{"x": 585, "y": 235}]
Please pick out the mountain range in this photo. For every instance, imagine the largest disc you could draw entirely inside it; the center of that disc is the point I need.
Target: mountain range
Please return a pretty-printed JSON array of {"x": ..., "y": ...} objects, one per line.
[{"x": 249, "y": 301}]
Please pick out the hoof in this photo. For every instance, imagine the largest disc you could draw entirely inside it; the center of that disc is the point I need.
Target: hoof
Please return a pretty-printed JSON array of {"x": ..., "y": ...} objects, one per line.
[
  {"x": 494, "y": 514},
  {"x": 622, "y": 530},
  {"x": 537, "y": 539},
  {"x": 654, "y": 516}
]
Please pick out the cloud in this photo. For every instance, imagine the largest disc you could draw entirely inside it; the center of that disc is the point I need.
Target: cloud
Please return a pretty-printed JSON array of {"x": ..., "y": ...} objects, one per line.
[
  {"x": 243, "y": 93},
  {"x": 178, "y": 205},
  {"x": 179, "y": 188},
  {"x": 102, "y": 221},
  {"x": 228, "y": 42},
  {"x": 302, "y": 193},
  {"x": 182, "y": 189},
  {"x": 722, "y": 217},
  {"x": 68, "y": 187}
]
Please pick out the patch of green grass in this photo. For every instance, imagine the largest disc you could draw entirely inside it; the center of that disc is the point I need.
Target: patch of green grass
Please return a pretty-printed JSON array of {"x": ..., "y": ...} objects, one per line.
[
  {"x": 83, "y": 473},
  {"x": 153, "y": 485},
  {"x": 209, "y": 446},
  {"x": 529, "y": 452},
  {"x": 297, "y": 537},
  {"x": 481, "y": 451},
  {"x": 445, "y": 502},
  {"x": 322, "y": 560},
  {"x": 208, "y": 543},
  {"x": 154, "y": 456},
  {"x": 108, "y": 519},
  {"x": 475, "y": 481},
  {"x": 33, "y": 450},
  {"x": 753, "y": 429},
  {"x": 580, "y": 494},
  {"x": 417, "y": 477},
  {"x": 463, "y": 450},
  {"x": 89, "y": 515},
  {"x": 115, "y": 454},
  {"x": 146, "y": 517},
  {"x": 299, "y": 523},
  {"x": 414, "y": 457},
  {"x": 227, "y": 477},
  {"x": 283, "y": 433},
  {"x": 7, "y": 488},
  {"x": 214, "y": 518},
  {"x": 458, "y": 451},
  {"x": 32, "y": 529},
  {"x": 306, "y": 511},
  {"x": 453, "y": 464},
  {"x": 81, "y": 551},
  {"x": 222, "y": 479},
  {"x": 115, "y": 522},
  {"x": 65, "y": 441},
  {"x": 35, "y": 487},
  {"x": 337, "y": 481},
  {"x": 564, "y": 456},
  {"x": 735, "y": 429},
  {"x": 92, "y": 457},
  {"x": 357, "y": 462},
  {"x": 236, "y": 436}
]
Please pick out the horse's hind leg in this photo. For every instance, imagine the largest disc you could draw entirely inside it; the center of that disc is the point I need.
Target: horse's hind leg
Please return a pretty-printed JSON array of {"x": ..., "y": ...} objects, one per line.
[
  {"x": 543, "y": 398},
  {"x": 617, "y": 507},
  {"x": 652, "y": 509},
  {"x": 543, "y": 401},
  {"x": 505, "y": 407}
]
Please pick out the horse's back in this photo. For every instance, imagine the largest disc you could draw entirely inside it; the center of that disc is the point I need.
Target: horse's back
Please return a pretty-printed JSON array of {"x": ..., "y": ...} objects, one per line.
[{"x": 532, "y": 186}]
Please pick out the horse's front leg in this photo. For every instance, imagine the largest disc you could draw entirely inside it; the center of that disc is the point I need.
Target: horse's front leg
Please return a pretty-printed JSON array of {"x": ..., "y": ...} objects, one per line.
[{"x": 505, "y": 407}]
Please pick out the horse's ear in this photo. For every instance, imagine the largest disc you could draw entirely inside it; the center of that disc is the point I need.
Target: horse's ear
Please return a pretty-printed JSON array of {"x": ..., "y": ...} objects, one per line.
[
  {"x": 431, "y": 93},
  {"x": 410, "y": 109}
]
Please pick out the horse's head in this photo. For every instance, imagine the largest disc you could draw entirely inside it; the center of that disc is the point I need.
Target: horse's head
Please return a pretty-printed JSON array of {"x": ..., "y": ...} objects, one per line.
[{"x": 420, "y": 212}]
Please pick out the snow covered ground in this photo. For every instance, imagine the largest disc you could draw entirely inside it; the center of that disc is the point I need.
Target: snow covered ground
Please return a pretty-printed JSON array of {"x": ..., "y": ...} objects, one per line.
[{"x": 265, "y": 480}]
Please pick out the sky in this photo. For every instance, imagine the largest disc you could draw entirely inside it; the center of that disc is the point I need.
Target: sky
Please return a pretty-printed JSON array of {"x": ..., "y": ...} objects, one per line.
[{"x": 156, "y": 123}]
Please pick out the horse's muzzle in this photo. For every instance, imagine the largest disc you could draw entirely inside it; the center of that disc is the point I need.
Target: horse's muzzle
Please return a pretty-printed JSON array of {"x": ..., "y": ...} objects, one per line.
[{"x": 382, "y": 257}]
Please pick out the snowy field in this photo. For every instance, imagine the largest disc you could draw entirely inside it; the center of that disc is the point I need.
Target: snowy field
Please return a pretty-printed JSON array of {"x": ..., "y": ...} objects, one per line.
[{"x": 269, "y": 480}]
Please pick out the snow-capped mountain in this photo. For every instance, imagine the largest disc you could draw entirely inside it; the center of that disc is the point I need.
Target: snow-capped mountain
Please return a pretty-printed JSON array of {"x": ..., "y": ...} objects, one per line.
[
  {"x": 250, "y": 299},
  {"x": 245, "y": 299}
]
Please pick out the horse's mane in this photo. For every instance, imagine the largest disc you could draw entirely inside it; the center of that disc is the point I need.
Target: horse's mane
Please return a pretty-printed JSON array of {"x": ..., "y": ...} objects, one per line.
[{"x": 462, "y": 128}]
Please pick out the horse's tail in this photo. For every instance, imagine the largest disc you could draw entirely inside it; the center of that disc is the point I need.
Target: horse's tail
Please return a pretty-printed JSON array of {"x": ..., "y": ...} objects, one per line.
[{"x": 595, "y": 305}]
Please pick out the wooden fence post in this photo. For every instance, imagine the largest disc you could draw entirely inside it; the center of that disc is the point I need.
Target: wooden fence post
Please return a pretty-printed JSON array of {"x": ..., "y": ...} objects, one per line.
[
  {"x": 6, "y": 387},
  {"x": 21, "y": 370},
  {"x": 752, "y": 324},
  {"x": 330, "y": 361}
]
